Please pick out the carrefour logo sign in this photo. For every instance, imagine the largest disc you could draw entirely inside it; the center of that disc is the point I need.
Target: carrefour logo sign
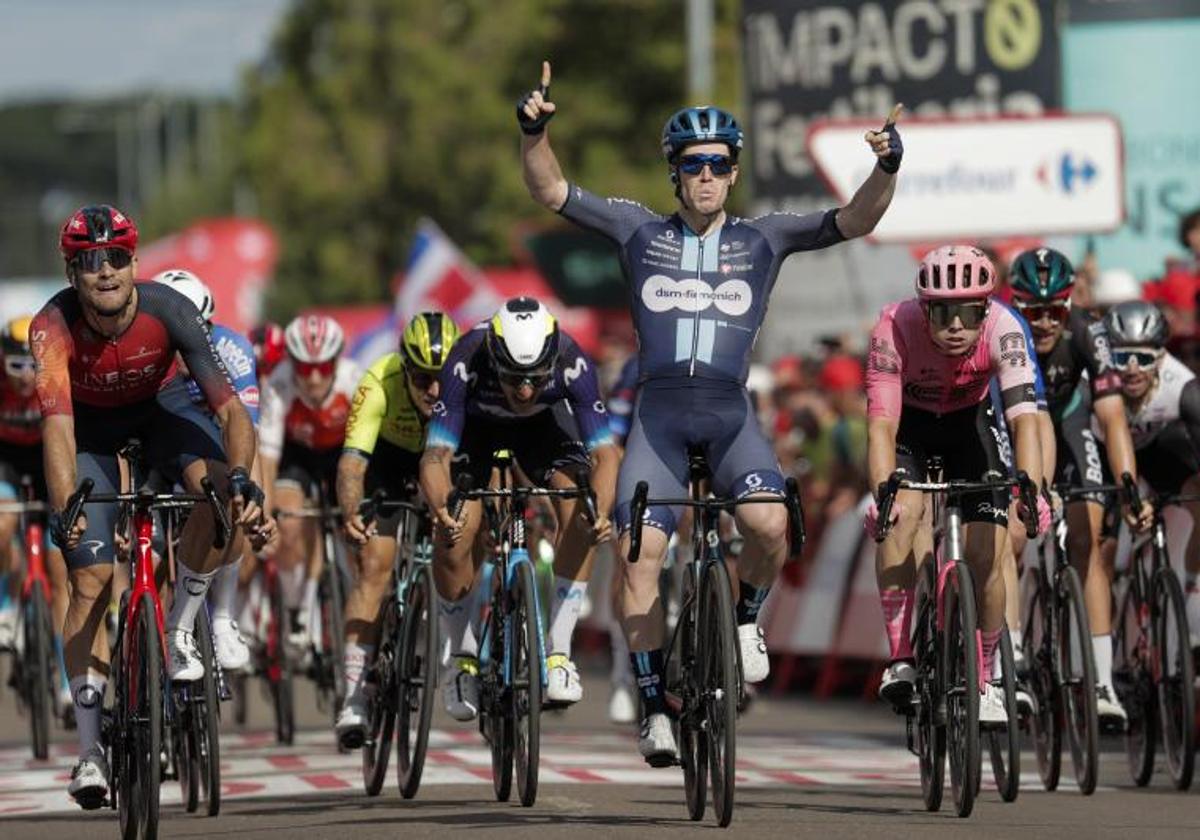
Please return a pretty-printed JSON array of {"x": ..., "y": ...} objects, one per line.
[
  {"x": 1068, "y": 172},
  {"x": 662, "y": 294}
]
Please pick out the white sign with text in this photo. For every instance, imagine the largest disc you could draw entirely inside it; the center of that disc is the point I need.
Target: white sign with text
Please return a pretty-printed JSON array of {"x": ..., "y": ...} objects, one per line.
[{"x": 1001, "y": 176}]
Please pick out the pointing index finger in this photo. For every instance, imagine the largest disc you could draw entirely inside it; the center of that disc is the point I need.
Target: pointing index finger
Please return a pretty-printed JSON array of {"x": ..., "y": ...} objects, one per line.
[
  {"x": 545, "y": 77},
  {"x": 897, "y": 109}
]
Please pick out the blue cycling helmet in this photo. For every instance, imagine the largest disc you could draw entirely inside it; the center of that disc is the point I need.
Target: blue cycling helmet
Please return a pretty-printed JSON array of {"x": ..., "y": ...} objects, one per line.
[{"x": 700, "y": 124}]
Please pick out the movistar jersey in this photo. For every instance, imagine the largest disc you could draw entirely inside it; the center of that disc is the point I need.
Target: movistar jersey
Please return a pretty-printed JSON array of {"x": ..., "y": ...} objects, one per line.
[
  {"x": 470, "y": 388},
  {"x": 698, "y": 302}
]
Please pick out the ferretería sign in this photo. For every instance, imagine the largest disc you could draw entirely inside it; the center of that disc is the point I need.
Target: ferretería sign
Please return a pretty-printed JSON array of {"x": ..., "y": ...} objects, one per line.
[{"x": 808, "y": 59}]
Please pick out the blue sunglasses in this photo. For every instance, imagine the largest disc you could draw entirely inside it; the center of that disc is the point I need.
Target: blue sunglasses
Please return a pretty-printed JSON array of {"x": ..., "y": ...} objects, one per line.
[{"x": 694, "y": 164}]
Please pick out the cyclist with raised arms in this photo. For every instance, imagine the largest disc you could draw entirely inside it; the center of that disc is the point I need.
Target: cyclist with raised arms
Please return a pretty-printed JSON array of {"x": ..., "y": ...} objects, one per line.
[
  {"x": 1162, "y": 407},
  {"x": 930, "y": 364},
  {"x": 517, "y": 382},
  {"x": 305, "y": 406},
  {"x": 699, "y": 282},
  {"x": 385, "y": 436},
  {"x": 105, "y": 351},
  {"x": 237, "y": 354},
  {"x": 20, "y": 456},
  {"x": 1072, "y": 347}
]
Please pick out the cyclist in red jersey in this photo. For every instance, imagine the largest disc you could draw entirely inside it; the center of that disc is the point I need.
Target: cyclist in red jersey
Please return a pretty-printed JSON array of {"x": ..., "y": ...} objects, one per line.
[
  {"x": 305, "y": 407},
  {"x": 930, "y": 366},
  {"x": 105, "y": 352},
  {"x": 20, "y": 456}
]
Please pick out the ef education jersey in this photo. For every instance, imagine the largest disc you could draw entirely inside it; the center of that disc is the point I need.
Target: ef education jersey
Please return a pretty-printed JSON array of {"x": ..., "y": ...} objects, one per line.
[{"x": 698, "y": 302}]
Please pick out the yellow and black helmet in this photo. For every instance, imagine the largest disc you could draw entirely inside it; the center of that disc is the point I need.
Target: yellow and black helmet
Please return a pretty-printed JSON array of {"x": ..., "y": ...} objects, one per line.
[
  {"x": 427, "y": 340},
  {"x": 14, "y": 338}
]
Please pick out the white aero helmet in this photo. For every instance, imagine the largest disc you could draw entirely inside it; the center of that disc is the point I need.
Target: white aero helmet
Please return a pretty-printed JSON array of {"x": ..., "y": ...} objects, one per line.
[
  {"x": 313, "y": 339},
  {"x": 523, "y": 337},
  {"x": 192, "y": 288},
  {"x": 1115, "y": 285}
]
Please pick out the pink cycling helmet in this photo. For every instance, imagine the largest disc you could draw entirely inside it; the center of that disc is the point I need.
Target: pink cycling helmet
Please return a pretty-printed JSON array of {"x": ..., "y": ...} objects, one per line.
[{"x": 955, "y": 271}]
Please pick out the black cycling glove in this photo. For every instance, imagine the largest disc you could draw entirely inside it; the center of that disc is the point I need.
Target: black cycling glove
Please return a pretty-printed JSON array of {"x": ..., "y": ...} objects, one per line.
[
  {"x": 241, "y": 485},
  {"x": 533, "y": 127},
  {"x": 891, "y": 163}
]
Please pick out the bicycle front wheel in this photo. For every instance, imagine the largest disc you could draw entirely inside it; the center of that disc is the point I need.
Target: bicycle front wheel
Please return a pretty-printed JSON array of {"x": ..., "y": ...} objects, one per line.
[
  {"x": 37, "y": 669},
  {"x": 495, "y": 721},
  {"x": 140, "y": 775},
  {"x": 719, "y": 683},
  {"x": 418, "y": 663},
  {"x": 961, "y": 674},
  {"x": 384, "y": 697},
  {"x": 1005, "y": 745},
  {"x": 1135, "y": 686},
  {"x": 278, "y": 669},
  {"x": 1045, "y": 723},
  {"x": 526, "y": 682},
  {"x": 683, "y": 676},
  {"x": 206, "y": 718},
  {"x": 1078, "y": 670},
  {"x": 1173, "y": 672}
]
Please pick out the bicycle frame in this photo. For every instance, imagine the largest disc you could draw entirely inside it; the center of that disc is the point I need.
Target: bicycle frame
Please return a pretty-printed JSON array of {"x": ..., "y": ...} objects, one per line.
[{"x": 35, "y": 544}]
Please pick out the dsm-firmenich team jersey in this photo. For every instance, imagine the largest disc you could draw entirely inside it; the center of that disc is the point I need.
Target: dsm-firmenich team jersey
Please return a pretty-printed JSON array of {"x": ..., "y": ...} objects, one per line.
[{"x": 698, "y": 302}]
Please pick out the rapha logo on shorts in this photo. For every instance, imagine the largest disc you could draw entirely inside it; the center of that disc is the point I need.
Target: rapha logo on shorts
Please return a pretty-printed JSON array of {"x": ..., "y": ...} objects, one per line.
[
  {"x": 988, "y": 509},
  {"x": 662, "y": 294}
]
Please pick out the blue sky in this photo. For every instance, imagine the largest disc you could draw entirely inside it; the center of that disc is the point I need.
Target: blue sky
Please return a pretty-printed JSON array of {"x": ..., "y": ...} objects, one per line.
[{"x": 77, "y": 49}]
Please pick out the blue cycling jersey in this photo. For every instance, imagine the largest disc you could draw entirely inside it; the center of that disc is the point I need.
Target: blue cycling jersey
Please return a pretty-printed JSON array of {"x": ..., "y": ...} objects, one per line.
[
  {"x": 698, "y": 302},
  {"x": 1003, "y": 438},
  {"x": 620, "y": 399},
  {"x": 237, "y": 353}
]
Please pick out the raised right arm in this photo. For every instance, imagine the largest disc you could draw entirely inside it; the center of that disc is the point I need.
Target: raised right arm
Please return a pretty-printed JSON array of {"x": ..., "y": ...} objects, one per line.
[{"x": 543, "y": 175}]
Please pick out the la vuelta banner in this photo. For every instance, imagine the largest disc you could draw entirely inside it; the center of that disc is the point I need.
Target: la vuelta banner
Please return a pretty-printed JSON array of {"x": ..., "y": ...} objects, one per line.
[{"x": 841, "y": 59}]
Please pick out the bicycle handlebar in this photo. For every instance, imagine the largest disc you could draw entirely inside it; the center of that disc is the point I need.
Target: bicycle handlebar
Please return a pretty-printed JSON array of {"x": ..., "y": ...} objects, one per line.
[
  {"x": 149, "y": 500},
  {"x": 897, "y": 481}
]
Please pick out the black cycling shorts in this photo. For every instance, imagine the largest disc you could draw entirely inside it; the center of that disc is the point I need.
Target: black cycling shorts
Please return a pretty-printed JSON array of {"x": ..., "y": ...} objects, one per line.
[
  {"x": 541, "y": 444},
  {"x": 1169, "y": 459},
  {"x": 1081, "y": 459},
  {"x": 392, "y": 469},
  {"x": 16, "y": 462},
  {"x": 306, "y": 468},
  {"x": 966, "y": 442}
]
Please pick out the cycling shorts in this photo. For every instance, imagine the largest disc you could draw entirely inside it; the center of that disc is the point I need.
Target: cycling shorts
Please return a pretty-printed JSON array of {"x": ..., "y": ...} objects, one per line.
[
  {"x": 16, "y": 462},
  {"x": 304, "y": 468},
  {"x": 541, "y": 444},
  {"x": 1169, "y": 459},
  {"x": 965, "y": 440},
  {"x": 1082, "y": 462},
  {"x": 174, "y": 432},
  {"x": 392, "y": 469},
  {"x": 672, "y": 415}
]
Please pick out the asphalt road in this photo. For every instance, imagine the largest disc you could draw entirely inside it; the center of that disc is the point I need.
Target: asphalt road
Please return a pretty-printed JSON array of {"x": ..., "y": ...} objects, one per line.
[{"x": 805, "y": 769}]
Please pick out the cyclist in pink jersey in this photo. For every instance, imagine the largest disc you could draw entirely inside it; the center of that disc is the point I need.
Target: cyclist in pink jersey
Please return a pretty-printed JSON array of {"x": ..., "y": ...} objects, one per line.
[{"x": 930, "y": 362}]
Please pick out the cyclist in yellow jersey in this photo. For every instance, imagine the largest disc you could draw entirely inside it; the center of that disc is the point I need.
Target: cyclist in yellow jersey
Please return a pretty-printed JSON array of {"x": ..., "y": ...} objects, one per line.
[{"x": 384, "y": 440}]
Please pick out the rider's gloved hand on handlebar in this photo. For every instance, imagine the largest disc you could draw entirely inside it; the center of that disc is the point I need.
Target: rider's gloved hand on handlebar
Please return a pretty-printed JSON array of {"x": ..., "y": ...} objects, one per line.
[
  {"x": 871, "y": 520},
  {"x": 1044, "y": 513},
  {"x": 247, "y": 497}
]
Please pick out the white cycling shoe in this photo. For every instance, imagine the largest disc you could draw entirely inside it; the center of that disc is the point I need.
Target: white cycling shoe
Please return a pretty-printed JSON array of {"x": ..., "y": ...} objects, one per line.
[
  {"x": 89, "y": 781},
  {"x": 231, "y": 649},
  {"x": 755, "y": 664},
  {"x": 622, "y": 705},
  {"x": 992, "y": 710},
  {"x": 351, "y": 725},
  {"x": 460, "y": 688},
  {"x": 8, "y": 627},
  {"x": 1109, "y": 710},
  {"x": 562, "y": 680},
  {"x": 898, "y": 685},
  {"x": 656, "y": 741},
  {"x": 183, "y": 660}
]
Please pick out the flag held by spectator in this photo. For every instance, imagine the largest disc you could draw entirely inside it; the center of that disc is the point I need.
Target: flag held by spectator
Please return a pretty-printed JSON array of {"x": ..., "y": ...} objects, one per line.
[{"x": 439, "y": 276}]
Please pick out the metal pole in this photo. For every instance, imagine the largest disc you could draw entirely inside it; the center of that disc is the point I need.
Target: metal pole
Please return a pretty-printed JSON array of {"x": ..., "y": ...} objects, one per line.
[{"x": 700, "y": 50}]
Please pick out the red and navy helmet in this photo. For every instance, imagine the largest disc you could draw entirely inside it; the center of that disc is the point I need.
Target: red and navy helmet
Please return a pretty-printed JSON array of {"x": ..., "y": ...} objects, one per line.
[
  {"x": 97, "y": 226},
  {"x": 269, "y": 346}
]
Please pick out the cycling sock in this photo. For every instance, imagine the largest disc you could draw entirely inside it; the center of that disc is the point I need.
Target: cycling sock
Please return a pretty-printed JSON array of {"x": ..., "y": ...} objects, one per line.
[
  {"x": 1018, "y": 638},
  {"x": 225, "y": 588},
  {"x": 648, "y": 667},
  {"x": 564, "y": 613},
  {"x": 62, "y": 662},
  {"x": 990, "y": 638},
  {"x": 897, "y": 615},
  {"x": 190, "y": 589},
  {"x": 455, "y": 618},
  {"x": 87, "y": 691},
  {"x": 354, "y": 660},
  {"x": 1102, "y": 651},
  {"x": 621, "y": 673},
  {"x": 309, "y": 604},
  {"x": 750, "y": 601}
]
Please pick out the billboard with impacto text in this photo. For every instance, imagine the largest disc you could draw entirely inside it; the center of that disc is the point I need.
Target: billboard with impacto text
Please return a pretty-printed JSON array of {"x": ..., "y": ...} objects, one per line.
[{"x": 987, "y": 178}]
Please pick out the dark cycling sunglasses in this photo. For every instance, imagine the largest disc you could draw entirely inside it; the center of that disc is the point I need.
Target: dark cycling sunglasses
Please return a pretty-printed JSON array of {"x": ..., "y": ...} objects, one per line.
[
  {"x": 307, "y": 369},
  {"x": 1145, "y": 358},
  {"x": 422, "y": 380},
  {"x": 1033, "y": 312},
  {"x": 694, "y": 164},
  {"x": 92, "y": 259},
  {"x": 534, "y": 379},
  {"x": 17, "y": 365},
  {"x": 941, "y": 313}
]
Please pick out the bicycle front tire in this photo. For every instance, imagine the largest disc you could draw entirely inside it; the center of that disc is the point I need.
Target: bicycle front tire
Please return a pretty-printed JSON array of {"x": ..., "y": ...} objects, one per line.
[
  {"x": 418, "y": 664},
  {"x": 37, "y": 669},
  {"x": 720, "y": 685},
  {"x": 961, "y": 673},
  {"x": 1078, "y": 683},
  {"x": 526, "y": 685},
  {"x": 1174, "y": 673}
]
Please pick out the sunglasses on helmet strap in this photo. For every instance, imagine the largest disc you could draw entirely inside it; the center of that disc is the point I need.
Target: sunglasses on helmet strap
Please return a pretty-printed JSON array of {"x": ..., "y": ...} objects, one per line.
[
  {"x": 942, "y": 313},
  {"x": 93, "y": 259}
]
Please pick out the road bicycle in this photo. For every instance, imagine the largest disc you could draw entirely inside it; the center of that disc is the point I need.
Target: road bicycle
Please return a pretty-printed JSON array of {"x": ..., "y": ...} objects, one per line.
[
  {"x": 271, "y": 626},
  {"x": 135, "y": 727},
  {"x": 1152, "y": 657},
  {"x": 512, "y": 654},
  {"x": 943, "y": 720},
  {"x": 401, "y": 682},
  {"x": 704, "y": 668}
]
